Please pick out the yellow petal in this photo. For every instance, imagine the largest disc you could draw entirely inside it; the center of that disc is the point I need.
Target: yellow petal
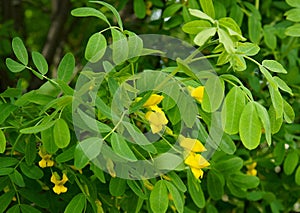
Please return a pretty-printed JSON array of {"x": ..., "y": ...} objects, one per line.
[
  {"x": 64, "y": 179},
  {"x": 154, "y": 99},
  {"x": 198, "y": 93},
  {"x": 196, "y": 161},
  {"x": 58, "y": 189},
  {"x": 156, "y": 128},
  {"x": 197, "y": 173},
  {"x": 193, "y": 145},
  {"x": 43, "y": 163},
  {"x": 251, "y": 166},
  {"x": 252, "y": 172},
  {"x": 50, "y": 163}
]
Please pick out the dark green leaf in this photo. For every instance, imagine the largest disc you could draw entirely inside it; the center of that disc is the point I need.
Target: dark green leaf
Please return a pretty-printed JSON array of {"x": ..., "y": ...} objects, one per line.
[
  {"x": 171, "y": 10},
  {"x": 120, "y": 147},
  {"x": 14, "y": 209},
  {"x": 28, "y": 209},
  {"x": 38, "y": 128},
  {"x": 77, "y": 204},
  {"x": 17, "y": 178},
  {"x": 215, "y": 185},
  {"x": 61, "y": 133},
  {"x": 159, "y": 197},
  {"x": 48, "y": 140},
  {"x": 6, "y": 199},
  {"x": 32, "y": 171},
  {"x": 30, "y": 152},
  {"x": 8, "y": 161},
  {"x": 195, "y": 190},
  {"x": 139, "y": 8},
  {"x": 66, "y": 155},
  {"x": 297, "y": 176},
  {"x": 2, "y": 142},
  {"x": 117, "y": 186},
  {"x": 290, "y": 162},
  {"x": 229, "y": 166}
]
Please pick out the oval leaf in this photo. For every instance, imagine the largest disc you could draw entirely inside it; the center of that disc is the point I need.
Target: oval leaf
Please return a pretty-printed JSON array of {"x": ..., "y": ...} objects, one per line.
[
  {"x": 290, "y": 162},
  {"x": 40, "y": 62},
  {"x": 159, "y": 197},
  {"x": 88, "y": 11},
  {"x": 61, "y": 133},
  {"x": 77, "y": 204},
  {"x": 20, "y": 50},
  {"x": 273, "y": 66},
  {"x": 14, "y": 66},
  {"x": 66, "y": 67},
  {"x": 2, "y": 142},
  {"x": 120, "y": 147},
  {"x": 265, "y": 120},
  {"x": 250, "y": 127},
  {"x": 95, "y": 48}
]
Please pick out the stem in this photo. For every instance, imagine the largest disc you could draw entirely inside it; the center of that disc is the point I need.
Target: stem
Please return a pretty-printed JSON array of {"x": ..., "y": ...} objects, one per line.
[
  {"x": 251, "y": 59},
  {"x": 116, "y": 126},
  {"x": 205, "y": 57}
]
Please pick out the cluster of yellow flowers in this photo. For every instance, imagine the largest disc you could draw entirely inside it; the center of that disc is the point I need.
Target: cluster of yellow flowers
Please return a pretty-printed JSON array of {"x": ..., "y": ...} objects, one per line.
[
  {"x": 251, "y": 169},
  {"x": 47, "y": 161},
  {"x": 194, "y": 160},
  {"x": 155, "y": 115}
]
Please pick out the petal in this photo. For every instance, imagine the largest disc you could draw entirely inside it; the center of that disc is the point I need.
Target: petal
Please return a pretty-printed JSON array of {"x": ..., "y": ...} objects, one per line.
[
  {"x": 64, "y": 179},
  {"x": 202, "y": 162},
  {"x": 191, "y": 161},
  {"x": 192, "y": 145},
  {"x": 56, "y": 189},
  {"x": 154, "y": 99},
  {"x": 43, "y": 163},
  {"x": 53, "y": 179},
  {"x": 155, "y": 128},
  {"x": 252, "y": 172},
  {"x": 198, "y": 93},
  {"x": 50, "y": 163},
  {"x": 197, "y": 173},
  {"x": 251, "y": 166}
]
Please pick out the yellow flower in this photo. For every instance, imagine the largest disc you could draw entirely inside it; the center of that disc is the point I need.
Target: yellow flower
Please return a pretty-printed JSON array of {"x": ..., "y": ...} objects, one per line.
[
  {"x": 196, "y": 162},
  {"x": 251, "y": 169},
  {"x": 153, "y": 100},
  {"x": 46, "y": 159},
  {"x": 190, "y": 144},
  {"x": 59, "y": 183},
  {"x": 157, "y": 120},
  {"x": 198, "y": 93}
]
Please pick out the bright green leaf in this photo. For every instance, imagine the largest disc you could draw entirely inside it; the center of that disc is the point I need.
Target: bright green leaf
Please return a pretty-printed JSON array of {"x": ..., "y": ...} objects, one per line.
[
  {"x": 61, "y": 133},
  {"x": 171, "y": 10},
  {"x": 204, "y": 35},
  {"x": 159, "y": 197},
  {"x": 273, "y": 66},
  {"x": 139, "y": 8},
  {"x": 95, "y": 48},
  {"x": 91, "y": 147},
  {"x": 177, "y": 198},
  {"x": 196, "y": 26},
  {"x": 215, "y": 185},
  {"x": 40, "y": 62},
  {"x": 48, "y": 140},
  {"x": 213, "y": 94},
  {"x": 288, "y": 112},
  {"x": 66, "y": 67},
  {"x": 293, "y": 15},
  {"x": 14, "y": 66},
  {"x": 88, "y": 11},
  {"x": 119, "y": 46},
  {"x": 290, "y": 162},
  {"x": 277, "y": 101},
  {"x": 201, "y": 15},
  {"x": 208, "y": 7},
  {"x": 117, "y": 186},
  {"x": 293, "y": 30},
  {"x": 265, "y": 120},
  {"x": 20, "y": 50},
  {"x": 38, "y": 128},
  {"x": 77, "y": 204},
  {"x": 275, "y": 122}
]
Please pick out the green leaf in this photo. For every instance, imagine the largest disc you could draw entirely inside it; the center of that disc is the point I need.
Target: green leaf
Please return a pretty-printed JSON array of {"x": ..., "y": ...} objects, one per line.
[
  {"x": 30, "y": 152},
  {"x": 229, "y": 166},
  {"x": 113, "y": 10},
  {"x": 204, "y": 35},
  {"x": 293, "y": 15},
  {"x": 6, "y": 171},
  {"x": 28, "y": 209},
  {"x": 6, "y": 109},
  {"x": 40, "y": 62},
  {"x": 226, "y": 40},
  {"x": 244, "y": 181},
  {"x": 277, "y": 101},
  {"x": 171, "y": 10},
  {"x": 213, "y": 94},
  {"x": 48, "y": 140},
  {"x": 274, "y": 66},
  {"x": 17, "y": 178},
  {"x": 20, "y": 50},
  {"x": 297, "y": 176},
  {"x": 282, "y": 85},
  {"x": 14, "y": 66},
  {"x": 33, "y": 171},
  {"x": 248, "y": 49},
  {"x": 80, "y": 159},
  {"x": 6, "y": 199},
  {"x": 167, "y": 161},
  {"x": 227, "y": 145},
  {"x": 176, "y": 197},
  {"x": 250, "y": 126},
  {"x": 268, "y": 76},
  {"x": 66, "y": 67},
  {"x": 293, "y": 30},
  {"x": 290, "y": 162},
  {"x": 61, "y": 133},
  {"x": 98, "y": 172},
  {"x": 66, "y": 155},
  {"x": 232, "y": 28},
  {"x": 8, "y": 161},
  {"x": 208, "y": 7},
  {"x": 117, "y": 186},
  {"x": 91, "y": 147},
  {"x": 77, "y": 204},
  {"x": 275, "y": 122},
  {"x": 176, "y": 180},
  {"x": 238, "y": 62},
  {"x": 159, "y": 197},
  {"x": 215, "y": 185},
  {"x": 134, "y": 186},
  {"x": 38, "y": 128},
  {"x": 232, "y": 109},
  {"x": 288, "y": 112},
  {"x": 2, "y": 142},
  {"x": 270, "y": 38},
  {"x": 119, "y": 47},
  {"x": 95, "y": 48},
  {"x": 196, "y": 26},
  {"x": 120, "y": 147},
  {"x": 236, "y": 190},
  {"x": 254, "y": 28},
  {"x": 88, "y": 11},
  {"x": 41, "y": 199},
  {"x": 265, "y": 120},
  {"x": 135, "y": 45},
  {"x": 293, "y": 3},
  {"x": 14, "y": 209},
  {"x": 139, "y": 8},
  {"x": 201, "y": 15},
  {"x": 195, "y": 190}
]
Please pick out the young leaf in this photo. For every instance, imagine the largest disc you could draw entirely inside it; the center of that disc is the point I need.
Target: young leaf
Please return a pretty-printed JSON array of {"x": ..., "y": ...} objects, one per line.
[
  {"x": 290, "y": 162},
  {"x": 204, "y": 35},
  {"x": 274, "y": 66},
  {"x": 159, "y": 197},
  {"x": 2, "y": 142},
  {"x": 66, "y": 67},
  {"x": 288, "y": 112},
  {"x": 201, "y": 15},
  {"x": 120, "y": 147},
  {"x": 232, "y": 110},
  {"x": 95, "y": 48},
  {"x": 275, "y": 122},
  {"x": 208, "y": 7},
  {"x": 14, "y": 66},
  {"x": 293, "y": 30},
  {"x": 61, "y": 133},
  {"x": 250, "y": 127},
  {"x": 20, "y": 50},
  {"x": 77, "y": 204},
  {"x": 248, "y": 49},
  {"x": 139, "y": 8},
  {"x": 277, "y": 101},
  {"x": 196, "y": 26},
  {"x": 88, "y": 11},
  {"x": 226, "y": 40},
  {"x": 282, "y": 85},
  {"x": 265, "y": 120},
  {"x": 293, "y": 14},
  {"x": 40, "y": 62}
]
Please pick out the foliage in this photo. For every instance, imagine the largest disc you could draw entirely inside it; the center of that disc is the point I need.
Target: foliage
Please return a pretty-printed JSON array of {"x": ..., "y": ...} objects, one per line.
[{"x": 64, "y": 147}]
